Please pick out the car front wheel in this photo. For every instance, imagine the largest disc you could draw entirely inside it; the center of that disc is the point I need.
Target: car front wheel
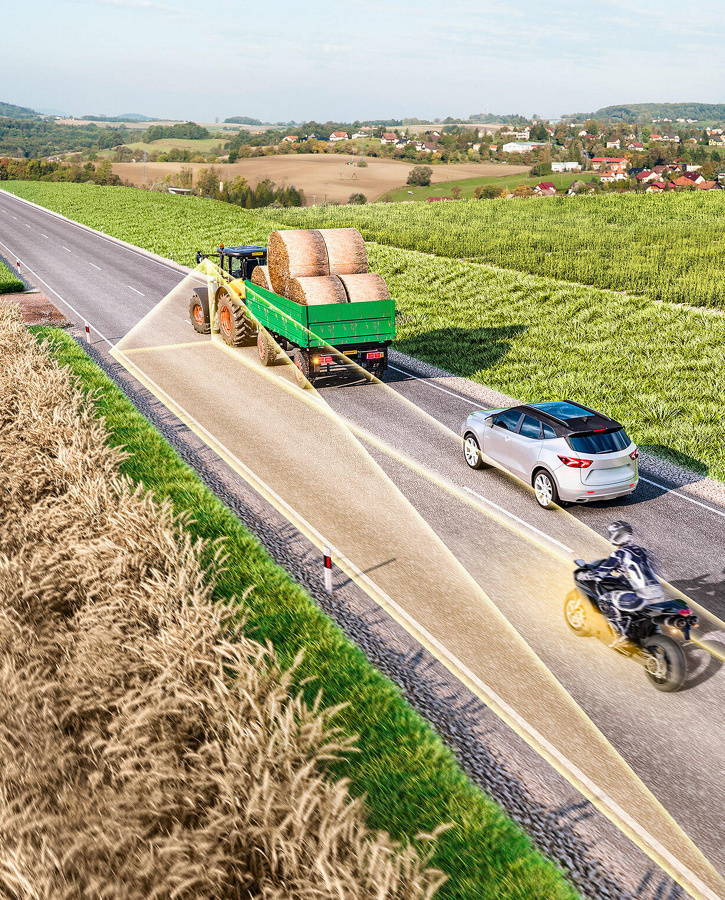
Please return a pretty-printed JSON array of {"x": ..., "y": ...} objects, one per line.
[
  {"x": 472, "y": 452},
  {"x": 545, "y": 489}
]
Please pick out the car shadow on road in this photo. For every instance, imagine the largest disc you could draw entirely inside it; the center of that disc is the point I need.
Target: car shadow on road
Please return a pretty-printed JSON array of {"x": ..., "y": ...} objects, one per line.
[
  {"x": 707, "y": 590},
  {"x": 462, "y": 351}
]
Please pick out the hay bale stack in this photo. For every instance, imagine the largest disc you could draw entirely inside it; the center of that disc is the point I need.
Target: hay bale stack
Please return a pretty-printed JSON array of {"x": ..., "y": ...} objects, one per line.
[
  {"x": 361, "y": 288},
  {"x": 346, "y": 253},
  {"x": 295, "y": 254},
  {"x": 317, "y": 291},
  {"x": 260, "y": 277}
]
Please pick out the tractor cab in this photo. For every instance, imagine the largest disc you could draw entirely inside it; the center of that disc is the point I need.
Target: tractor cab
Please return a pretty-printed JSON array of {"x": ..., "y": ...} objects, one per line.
[{"x": 236, "y": 262}]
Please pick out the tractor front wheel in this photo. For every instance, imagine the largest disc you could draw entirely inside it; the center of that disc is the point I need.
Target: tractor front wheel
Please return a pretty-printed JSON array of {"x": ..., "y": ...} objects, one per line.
[
  {"x": 233, "y": 322},
  {"x": 197, "y": 316}
]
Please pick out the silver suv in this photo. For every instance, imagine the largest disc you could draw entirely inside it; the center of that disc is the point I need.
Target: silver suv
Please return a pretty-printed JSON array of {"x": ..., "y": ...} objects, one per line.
[{"x": 564, "y": 450}]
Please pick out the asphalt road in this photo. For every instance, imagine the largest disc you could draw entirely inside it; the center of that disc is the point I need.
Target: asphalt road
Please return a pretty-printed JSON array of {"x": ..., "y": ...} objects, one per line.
[{"x": 674, "y": 743}]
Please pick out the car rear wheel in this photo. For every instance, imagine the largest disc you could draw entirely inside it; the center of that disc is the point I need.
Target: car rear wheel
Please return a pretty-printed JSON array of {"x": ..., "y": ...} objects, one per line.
[
  {"x": 545, "y": 489},
  {"x": 472, "y": 452}
]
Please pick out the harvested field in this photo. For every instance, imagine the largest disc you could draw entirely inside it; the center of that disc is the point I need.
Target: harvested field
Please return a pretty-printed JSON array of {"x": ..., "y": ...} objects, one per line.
[
  {"x": 35, "y": 309},
  {"x": 149, "y": 747},
  {"x": 321, "y": 176}
]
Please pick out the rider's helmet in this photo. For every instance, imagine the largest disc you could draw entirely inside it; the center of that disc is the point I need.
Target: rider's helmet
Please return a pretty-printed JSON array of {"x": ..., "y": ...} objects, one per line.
[{"x": 620, "y": 533}]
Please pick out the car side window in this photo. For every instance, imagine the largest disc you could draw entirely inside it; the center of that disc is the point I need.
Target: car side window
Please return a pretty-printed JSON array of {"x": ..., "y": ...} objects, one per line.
[
  {"x": 549, "y": 433},
  {"x": 530, "y": 428},
  {"x": 508, "y": 419}
]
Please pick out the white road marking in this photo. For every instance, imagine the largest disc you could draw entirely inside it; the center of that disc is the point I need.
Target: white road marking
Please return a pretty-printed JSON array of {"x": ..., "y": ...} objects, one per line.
[
  {"x": 718, "y": 512},
  {"x": 134, "y": 289},
  {"x": 28, "y": 226},
  {"x": 432, "y": 384},
  {"x": 64, "y": 302},
  {"x": 501, "y": 509},
  {"x": 14, "y": 217},
  {"x": 44, "y": 235},
  {"x": 65, "y": 248},
  {"x": 96, "y": 267}
]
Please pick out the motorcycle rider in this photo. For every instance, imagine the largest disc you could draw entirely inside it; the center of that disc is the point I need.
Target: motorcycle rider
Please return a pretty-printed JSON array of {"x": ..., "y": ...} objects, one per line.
[{"x": 632, "y": 564}]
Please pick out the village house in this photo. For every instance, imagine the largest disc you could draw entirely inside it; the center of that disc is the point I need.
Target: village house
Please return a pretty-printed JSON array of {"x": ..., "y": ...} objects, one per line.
[
  {"x": 708, "y": 186},
  {"x": 688, "y": 178},
  {"x": 359, "y": 134},
  {"x": 646, "y": 175},
  {"x": 637, "y": 146},
  {"x": 290, "y": 139},
  {"x": 389, "y": 137},
  {"x": 545, "y": 189},
  {"x": 566, "y": 167},
  {"x": 522, "y": 146},
  {"x": 614, "y": 144},
  {"x": 656, "y": 187},
  {"x": 609, "y": 162},
  {"x": 339, "y": 136}
]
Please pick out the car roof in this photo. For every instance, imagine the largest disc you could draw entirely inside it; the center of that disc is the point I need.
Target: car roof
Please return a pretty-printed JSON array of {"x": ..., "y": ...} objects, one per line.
[{"x": 567, "y": 417}]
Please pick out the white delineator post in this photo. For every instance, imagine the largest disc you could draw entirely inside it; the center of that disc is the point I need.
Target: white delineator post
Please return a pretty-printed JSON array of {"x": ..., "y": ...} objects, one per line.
[
  {"x": 328, "y": 569},
  {"x": 88, "y": 333},
  {"x": 17, "y": 262}
]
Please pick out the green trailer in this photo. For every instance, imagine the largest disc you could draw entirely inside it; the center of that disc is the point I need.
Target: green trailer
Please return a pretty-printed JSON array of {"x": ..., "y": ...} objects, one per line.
[{"x": 318, "y": 339}]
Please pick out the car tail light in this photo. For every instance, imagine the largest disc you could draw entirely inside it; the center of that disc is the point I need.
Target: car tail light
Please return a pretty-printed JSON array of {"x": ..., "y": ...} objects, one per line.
[
  {"x": 376, "y": 354},
  {"x": 634, "y": 454},
  {"x": 576, "y": 463}
]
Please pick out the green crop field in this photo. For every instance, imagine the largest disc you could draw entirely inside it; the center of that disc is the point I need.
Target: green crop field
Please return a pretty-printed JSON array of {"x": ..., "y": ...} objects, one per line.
[
  {"x": 659, "y": 368},
  {"x": 469, "y": 185},
  {"x": 669, "y": 247},
  {"x": 9, "y": 282}
]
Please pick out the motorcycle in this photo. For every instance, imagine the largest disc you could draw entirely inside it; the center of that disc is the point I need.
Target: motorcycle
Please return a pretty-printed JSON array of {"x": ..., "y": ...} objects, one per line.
[{"x": 661, "y": 655}]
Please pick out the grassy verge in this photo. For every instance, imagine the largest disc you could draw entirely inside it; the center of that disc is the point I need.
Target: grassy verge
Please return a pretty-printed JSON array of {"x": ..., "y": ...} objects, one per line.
[
  {"x": 411, "y": 780},
  {"x": 9, "y": 282}
]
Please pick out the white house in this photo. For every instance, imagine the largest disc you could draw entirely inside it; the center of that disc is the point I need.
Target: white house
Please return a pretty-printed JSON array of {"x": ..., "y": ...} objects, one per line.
[
  {"x": 522, "y": 146},
  {"x": 389, "y": 137},
  {"x": 566, "y": 167},
  {"x": 359, "y": 134},
  {"x": 339, "y": 136}
]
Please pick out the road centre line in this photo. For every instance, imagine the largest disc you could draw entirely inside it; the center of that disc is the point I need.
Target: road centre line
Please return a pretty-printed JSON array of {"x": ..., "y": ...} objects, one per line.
[
  {"x": 28, "y": 226},
  {"x": 506, "y": 712},
  {"x": 520, "y": 521},
  {"x": 44, "y": 235},
  {"x": 96, "y": 267},
  {"x": 432, "y": 384},
  {"x": 65, "y": 248},
  {"x": 134, "y": 289},
  {"x": 64, "y": 302}
]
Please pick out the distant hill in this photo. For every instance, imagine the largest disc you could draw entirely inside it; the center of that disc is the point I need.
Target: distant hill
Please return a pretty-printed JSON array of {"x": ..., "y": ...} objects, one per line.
[
  {"x": 17, "y": 112},
  {"x": 709, "y": 112},
  {"x": 126, "y": 117},
  {"x": 242, "y": 120}
]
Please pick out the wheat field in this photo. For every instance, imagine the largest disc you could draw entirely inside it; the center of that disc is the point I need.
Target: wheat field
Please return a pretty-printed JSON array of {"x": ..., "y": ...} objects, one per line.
[{"x": 148, "y": 747}]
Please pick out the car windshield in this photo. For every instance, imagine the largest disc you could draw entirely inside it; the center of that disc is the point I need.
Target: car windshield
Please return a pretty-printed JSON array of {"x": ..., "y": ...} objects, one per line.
[{"x": 608, "y": 442}]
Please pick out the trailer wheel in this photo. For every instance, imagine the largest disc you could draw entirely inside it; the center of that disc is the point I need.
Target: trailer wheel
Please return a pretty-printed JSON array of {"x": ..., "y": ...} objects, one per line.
[
  {"x": 234, "y": 325},
  {"x": 303, "y": 372},
  {"x": 196, "y": 314},
  {"x": 266, "y": 347}
]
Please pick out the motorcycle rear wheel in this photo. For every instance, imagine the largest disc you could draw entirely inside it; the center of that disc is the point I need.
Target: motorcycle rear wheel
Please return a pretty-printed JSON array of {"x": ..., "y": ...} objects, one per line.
[
  {"x": 577, "y": 614},
  {"x": 665, "y": 666}
]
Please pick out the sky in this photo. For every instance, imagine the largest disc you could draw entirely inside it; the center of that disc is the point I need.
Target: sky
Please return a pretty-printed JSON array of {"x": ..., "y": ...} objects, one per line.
[{"x": 342, "y": 60}]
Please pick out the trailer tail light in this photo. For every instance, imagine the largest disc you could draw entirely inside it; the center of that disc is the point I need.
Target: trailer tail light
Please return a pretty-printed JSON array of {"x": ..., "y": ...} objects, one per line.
[
  {"x": 324, "y": 361},
  {"x": 376, "y": 354},
  {"x": 634, "y": 454},
  {"x": 575, "y": 463}
]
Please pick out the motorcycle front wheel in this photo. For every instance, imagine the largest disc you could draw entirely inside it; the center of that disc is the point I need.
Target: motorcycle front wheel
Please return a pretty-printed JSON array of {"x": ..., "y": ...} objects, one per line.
[
  {"x": 576, "y": 614},
  {"x": 665, "y": 663}
]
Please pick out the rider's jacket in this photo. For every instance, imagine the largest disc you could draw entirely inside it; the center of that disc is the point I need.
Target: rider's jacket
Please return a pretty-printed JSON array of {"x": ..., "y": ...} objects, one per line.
[{"x": 632, "y": 564}]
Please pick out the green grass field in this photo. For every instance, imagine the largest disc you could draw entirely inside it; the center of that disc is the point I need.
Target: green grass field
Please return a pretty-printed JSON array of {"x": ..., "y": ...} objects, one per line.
[
  {"x": 469, "y": 185},
  {"x": 669, "y": 247},
  {"x": 659, "y": 368},
  {"x": 411, "y": 781},
  {"x": 9, "y": 281}
]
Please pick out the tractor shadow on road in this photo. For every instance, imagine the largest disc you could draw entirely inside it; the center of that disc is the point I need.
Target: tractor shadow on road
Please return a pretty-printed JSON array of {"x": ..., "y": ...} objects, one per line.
[{"x": 462, "y": 351}]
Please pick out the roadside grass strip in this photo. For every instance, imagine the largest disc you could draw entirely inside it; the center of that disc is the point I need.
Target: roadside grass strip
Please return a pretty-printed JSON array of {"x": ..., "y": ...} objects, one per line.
[
  {"x": 657, "y": 367},
  {"x": 9, "y": 282},
  {"x": 411, "y": 781}
]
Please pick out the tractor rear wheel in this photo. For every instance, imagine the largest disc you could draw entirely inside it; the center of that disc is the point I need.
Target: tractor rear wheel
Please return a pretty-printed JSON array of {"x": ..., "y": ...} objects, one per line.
[
  {"x": 266, "y": 347},
  {"x": 234, "y": 326},
  {"x": 196, "y": 314}
]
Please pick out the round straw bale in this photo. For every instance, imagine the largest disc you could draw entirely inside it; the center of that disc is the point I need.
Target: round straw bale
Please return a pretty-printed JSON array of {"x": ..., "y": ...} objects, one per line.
[
  {"x": 316, "y": 291},
  {"x": 295, "y": 254},
  {"x": 260, "y": 277},
  {"x": 360, "y": 288},
  {"x": 346, "y": 253}
]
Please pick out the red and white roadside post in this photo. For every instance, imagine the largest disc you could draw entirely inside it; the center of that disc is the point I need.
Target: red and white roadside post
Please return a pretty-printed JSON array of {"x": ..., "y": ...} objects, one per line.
[
  {"x": 88, "y": 333},
  {"x": 17, "y": 262},
  {"x": 328, "y": 569}
]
